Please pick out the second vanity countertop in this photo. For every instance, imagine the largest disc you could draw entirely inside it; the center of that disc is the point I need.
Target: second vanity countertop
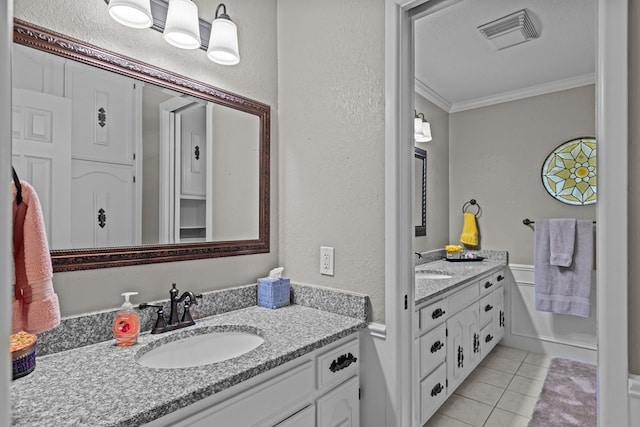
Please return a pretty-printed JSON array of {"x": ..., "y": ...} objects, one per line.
[
  {"x": 103, "y": 385},
  {"x": 461, "y": 272}
]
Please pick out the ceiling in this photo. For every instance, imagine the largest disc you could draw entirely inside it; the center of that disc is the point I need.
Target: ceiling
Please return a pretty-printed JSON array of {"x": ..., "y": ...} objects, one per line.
[{"x": 457, "y": 68}]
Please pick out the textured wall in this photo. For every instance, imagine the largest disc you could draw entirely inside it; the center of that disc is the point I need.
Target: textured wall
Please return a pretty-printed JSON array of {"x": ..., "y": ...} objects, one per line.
[
  {"x": 437, "y": 177},
  {"x": 496, "y": 155},
  {"x": 331, "y": 109},
  {"x": 255, "y": 77}
]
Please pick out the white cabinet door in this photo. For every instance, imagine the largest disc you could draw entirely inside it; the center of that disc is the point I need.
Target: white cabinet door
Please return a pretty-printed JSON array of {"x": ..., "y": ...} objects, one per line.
[
  {"x": 41, "y": 135},
  {"x": 499, "y": 314},
  {"x": 102, "y": 208},
  {"x": 463, "y": 345},
  {"x": 193, "y": 146},
  {"x": 105, "y": 114},
  {"x": 304, "y": 418},
  {"x": 340, "y": 407}
]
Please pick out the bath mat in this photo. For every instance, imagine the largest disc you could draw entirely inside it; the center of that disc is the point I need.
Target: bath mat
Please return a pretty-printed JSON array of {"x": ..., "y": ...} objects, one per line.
[{"x": 568, "y": 396}]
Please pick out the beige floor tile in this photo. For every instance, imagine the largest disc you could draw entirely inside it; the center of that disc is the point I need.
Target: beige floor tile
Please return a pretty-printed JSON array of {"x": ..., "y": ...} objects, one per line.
[
  {"x": 517, "y": 403},
  {"x": 439, "y": 420},
  {"x": 491, "y": 376},
  {"x": 482, "y": 392},
  {"x": 500, "y": 418},
  {"x": 466, "y": 410},
  {"x": 499, "y": 363},
  {"x": 538, "y": 359},
  {"x": 526, "y": 386},
  {"x": 509, "y": 353},
  {"x": 534, "y": 372}
]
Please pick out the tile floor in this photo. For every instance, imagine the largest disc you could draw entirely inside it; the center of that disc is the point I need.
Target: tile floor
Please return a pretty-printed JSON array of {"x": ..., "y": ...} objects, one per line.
[{"x": 501, "y": 392}]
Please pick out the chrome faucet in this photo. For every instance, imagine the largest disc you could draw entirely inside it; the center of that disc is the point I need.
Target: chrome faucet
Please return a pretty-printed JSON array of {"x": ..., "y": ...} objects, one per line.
[{"x": 174, "y": 323}]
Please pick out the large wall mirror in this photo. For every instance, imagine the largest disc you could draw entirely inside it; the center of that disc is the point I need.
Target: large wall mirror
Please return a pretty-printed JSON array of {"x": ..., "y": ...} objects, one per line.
[
  {"x": 420, "y": 195},
  {"x": 134, "y": 164}
]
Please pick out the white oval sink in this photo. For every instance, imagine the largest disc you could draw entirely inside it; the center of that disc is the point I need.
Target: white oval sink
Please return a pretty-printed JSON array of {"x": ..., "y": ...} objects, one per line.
[
  {"x": 432, "y": 275},
  {"x": 202, "y": 349}
]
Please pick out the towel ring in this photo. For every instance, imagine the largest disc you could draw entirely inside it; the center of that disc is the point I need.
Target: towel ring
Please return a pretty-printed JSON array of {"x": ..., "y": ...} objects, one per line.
[{"x": 471, "y": 203}]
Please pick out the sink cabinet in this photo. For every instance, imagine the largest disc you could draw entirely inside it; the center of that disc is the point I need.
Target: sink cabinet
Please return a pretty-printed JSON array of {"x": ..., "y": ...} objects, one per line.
[
  {"x": 318, "y": 389},
  {"x": 454, "y": 332}
]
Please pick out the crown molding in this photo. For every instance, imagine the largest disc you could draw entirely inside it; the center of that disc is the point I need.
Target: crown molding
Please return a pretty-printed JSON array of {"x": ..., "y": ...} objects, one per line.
[{"x": 431, "y": 95}]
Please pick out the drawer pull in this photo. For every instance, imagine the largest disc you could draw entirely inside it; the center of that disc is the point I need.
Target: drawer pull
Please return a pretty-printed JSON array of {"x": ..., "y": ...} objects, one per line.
[
  {"x": 476, "y": 343},
  {"x": 488, "y": 307},
  {"x": 488, "y": 338},
  {"x": 501, "y": 319},
  {"x": 460, "y": 357},
  {"x": 438, "y": 312},
  {"x": 488, "y": 285},
  {"x": 436, "y": 390},
  {"x": 436, "y": 346},
  {"x": 500, "y": 278},
  {"x": 342, "y": 362}
]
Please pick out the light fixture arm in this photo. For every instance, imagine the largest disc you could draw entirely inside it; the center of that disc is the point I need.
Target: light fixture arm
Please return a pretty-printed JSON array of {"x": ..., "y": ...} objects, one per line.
[{"x": 224, "y": 12}]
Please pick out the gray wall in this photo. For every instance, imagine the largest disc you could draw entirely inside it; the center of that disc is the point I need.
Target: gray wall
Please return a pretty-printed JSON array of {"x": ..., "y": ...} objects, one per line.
[
  {"x": 331, "y": 111},
  {"x": 255, "y": 77},
  {"x": 496, "y": 154},
  {"x": 437, "y": 177}
]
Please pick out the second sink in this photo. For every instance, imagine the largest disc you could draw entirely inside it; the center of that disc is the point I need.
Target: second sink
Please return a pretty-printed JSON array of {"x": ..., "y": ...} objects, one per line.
[{"x": 201, "y": 349}]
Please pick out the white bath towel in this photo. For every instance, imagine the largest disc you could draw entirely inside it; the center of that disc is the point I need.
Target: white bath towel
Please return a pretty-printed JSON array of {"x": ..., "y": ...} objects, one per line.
[
  {"x": 564, "y": 290},
  {"x": 562, "y": 237}
]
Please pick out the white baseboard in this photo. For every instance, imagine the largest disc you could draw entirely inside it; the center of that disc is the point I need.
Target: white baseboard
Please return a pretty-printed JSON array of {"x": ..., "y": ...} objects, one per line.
[
  {"x": 634, "y": 400},
  {"x": 553, "y": 334}
]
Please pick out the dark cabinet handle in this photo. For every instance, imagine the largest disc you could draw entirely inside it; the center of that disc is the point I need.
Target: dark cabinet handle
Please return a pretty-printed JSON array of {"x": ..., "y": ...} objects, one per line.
[
  {"x": 488, "y": 338},
  {"x": 460, "y": 357},
  {"x": 488, "y": 307},
  {"x": 500, "y": 278},
  {"x": 501, "y": 318},
  {"x": 197, "y": 152},
  {"x": 102, "y": 218},
  {"x": 342, "y": 362},
  {"x": 488, "y": 285},
  {"x": 476, "y": 343},
  {"x": 102, "y": 117},
  {"x": 438, "y": 312},
  {"x": 436, "y": 346},
  {"x": 436, "y": 390}
]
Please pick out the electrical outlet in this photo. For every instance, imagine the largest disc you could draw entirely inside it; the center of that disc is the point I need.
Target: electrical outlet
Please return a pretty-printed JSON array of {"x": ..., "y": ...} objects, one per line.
[{"x": 326, "y": 260}]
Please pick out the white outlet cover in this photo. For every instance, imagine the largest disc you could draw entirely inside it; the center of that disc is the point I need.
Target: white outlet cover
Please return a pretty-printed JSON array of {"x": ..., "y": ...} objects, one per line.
[{"x": 326, "y": 260}]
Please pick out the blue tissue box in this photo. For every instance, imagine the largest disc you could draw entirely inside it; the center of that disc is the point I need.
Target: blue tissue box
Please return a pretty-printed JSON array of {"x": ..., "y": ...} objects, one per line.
[{"x": 274, "y": 293}]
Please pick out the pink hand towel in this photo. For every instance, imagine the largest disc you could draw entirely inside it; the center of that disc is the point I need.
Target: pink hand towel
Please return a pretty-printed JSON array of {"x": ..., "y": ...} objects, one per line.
[{"x": 35, "y": 306}]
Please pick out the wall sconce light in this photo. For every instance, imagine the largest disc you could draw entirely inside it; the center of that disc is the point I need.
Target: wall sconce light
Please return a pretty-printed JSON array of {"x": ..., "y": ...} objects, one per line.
[
  {"x": 421, "y": 128},
  {"x": 178, "y": 21}
]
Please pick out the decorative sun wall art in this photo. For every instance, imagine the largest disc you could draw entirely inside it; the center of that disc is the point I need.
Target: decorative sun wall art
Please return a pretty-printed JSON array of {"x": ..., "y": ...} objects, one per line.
[{"x": 569, "y": 172}]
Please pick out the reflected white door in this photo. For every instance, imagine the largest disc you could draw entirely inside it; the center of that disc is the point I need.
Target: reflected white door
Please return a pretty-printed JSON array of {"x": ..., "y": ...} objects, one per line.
[{"x": 42, "y": 157}]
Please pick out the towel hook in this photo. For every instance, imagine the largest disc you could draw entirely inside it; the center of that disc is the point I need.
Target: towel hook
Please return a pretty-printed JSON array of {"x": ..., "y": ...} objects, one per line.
[{"x": 471, "y": 203}]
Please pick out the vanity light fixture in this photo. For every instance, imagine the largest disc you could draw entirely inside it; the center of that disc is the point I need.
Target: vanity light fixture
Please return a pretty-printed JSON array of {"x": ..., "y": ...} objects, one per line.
[
  {"x": 178, "y": 21},
  {"x": 421, "y": 128}
]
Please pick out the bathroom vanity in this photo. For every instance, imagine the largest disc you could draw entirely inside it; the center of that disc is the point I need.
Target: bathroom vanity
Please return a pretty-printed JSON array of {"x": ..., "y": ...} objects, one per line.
[
  {"x": 306, "y": 372},
  {"x": 459, "y": 318}
]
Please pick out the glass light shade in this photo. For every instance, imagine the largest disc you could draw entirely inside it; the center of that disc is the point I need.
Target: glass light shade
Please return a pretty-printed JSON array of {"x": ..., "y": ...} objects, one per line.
[
  {"x": 132, "y": 13},
  {"x": 223, "y": 44},
  {"x": 426, "y": 131},
  {"x": 417, "y": 126},
  {"x": 182, "y": 28}
]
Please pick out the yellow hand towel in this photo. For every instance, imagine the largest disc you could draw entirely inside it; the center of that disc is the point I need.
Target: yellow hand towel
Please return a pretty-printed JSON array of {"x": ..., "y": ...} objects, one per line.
[{"x": 469, "y": 234}]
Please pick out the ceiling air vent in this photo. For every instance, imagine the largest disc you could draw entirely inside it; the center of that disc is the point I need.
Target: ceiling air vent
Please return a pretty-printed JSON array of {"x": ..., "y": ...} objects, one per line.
[{"x": 509, "y": 30}]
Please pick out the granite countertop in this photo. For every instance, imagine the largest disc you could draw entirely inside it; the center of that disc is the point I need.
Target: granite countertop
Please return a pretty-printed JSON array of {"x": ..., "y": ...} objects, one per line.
[
  {"x": 462, "y": 272},
  {"x": 103, "y": 385}
]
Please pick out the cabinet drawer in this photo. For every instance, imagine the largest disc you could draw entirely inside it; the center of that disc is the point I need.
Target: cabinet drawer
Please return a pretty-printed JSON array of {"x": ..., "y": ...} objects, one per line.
[
  {"x": 432, "y": 315},
  {"x": 491, "y": 282},
  {"x": 487, "y": 308},
  {"x": 432, "y": 392},
  {"x": 433, "y": 349},
  {"x": 488, "y": 339},
  {"x": 305, "y": 417},
  {"x": 463, "y": 298},
  {"x": 338, "y": 364}
]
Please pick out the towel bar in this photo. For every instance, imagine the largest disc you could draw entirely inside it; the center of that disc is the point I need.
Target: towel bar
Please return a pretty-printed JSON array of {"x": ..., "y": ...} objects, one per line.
[{"x": 527, "y": 221}]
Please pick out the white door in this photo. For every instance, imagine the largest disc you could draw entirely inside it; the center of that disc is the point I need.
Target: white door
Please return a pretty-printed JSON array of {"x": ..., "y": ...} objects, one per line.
[
  {"x": 340, "y": 407},
  {"x": 103, "y": 205},
  {"x": 41, "y": 141},
  {"x": 192, "y": 145}
]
